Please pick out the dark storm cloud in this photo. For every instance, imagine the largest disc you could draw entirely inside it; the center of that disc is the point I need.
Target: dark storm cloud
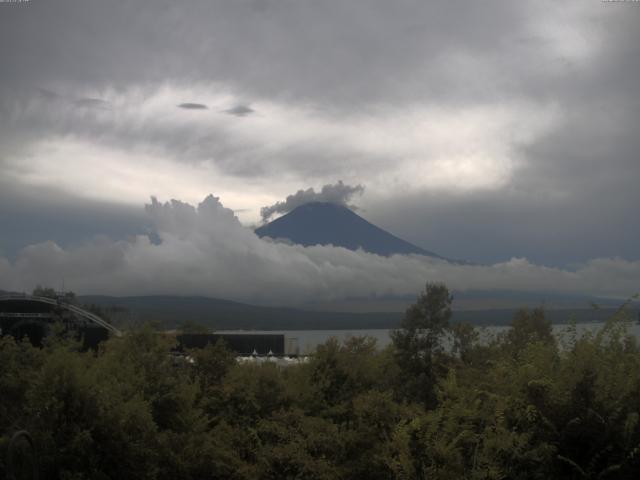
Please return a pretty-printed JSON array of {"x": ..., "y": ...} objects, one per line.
[
  {"x": 342, "y": 53},
  {"x": 193, "y": 106},
  {"x": 339, "y": 194},
  {"x": 352, "y": 43}
]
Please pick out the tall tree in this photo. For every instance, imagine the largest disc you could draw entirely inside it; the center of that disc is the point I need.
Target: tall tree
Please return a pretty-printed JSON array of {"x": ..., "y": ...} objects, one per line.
[{"x": 418, "y": 342}]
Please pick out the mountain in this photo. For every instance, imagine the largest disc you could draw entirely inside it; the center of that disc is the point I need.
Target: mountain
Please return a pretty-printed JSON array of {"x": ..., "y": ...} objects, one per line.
[{"x": 329, "y": 224}]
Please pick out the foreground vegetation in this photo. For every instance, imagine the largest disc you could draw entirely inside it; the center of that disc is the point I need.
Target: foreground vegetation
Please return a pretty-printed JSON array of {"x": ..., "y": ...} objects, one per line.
[{"x": 524, "y": 405}]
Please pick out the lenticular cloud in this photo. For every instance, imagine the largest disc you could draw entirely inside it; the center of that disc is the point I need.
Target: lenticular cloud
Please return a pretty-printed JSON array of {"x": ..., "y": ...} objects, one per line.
[{"x": 204, "y": 250}]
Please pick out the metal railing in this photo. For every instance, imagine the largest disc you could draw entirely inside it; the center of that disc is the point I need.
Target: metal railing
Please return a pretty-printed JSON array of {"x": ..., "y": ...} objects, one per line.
[{"x": 68, "y": 306}]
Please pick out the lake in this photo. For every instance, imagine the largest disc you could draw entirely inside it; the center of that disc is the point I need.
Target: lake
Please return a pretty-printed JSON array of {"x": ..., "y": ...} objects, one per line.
[{"x": 306, "y": 341}]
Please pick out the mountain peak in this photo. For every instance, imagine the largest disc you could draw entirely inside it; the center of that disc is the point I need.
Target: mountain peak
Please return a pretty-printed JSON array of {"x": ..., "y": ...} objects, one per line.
[{"x": 320, "y": 223}]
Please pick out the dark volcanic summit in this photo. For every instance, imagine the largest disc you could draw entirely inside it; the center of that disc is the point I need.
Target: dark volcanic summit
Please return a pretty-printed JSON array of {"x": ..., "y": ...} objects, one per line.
[{"x": 329, "y": 224}]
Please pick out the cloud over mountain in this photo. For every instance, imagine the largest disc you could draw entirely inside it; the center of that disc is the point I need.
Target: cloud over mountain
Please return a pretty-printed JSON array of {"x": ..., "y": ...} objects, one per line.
[
  {"x": 338, "y": 194},
  {"x": 204, "y": 250}
]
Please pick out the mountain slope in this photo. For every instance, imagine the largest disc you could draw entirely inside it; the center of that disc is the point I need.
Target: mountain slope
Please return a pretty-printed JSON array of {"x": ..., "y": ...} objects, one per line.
[{"x": 329, "y": 224}]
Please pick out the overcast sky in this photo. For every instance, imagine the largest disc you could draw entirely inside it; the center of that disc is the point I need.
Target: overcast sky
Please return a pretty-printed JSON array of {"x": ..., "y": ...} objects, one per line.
[{"x": 478, "y": 130}]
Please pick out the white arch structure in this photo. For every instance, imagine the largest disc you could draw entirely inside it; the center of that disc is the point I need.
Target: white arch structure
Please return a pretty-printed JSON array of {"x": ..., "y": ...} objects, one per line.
[{"x": 67, "y": 306}]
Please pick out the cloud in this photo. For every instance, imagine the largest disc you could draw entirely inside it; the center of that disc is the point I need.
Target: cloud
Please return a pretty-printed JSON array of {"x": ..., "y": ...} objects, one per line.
[
  {"x": 240, "y": 110},
  {"x": 495, "y": 130},
  {"x": 265, "y": 51},
  {"x": 193, "y": 106},
  {"x": 204, "y": 250},
  {"x": 425, "y": 146},
  {"x": 338, "y": 193},
  {"x": 37, "y": 214},
  {"x": 91, "y": 103}
]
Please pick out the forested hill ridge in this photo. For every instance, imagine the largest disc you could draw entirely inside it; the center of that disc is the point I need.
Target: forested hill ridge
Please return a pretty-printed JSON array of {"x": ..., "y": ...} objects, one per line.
[
  {"x": 171, "y": 311},
  {"x": 320, "y": 223}
]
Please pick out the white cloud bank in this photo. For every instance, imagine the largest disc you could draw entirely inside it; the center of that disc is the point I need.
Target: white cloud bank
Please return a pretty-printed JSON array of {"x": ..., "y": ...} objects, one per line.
[{"x": 206, "y": 251}]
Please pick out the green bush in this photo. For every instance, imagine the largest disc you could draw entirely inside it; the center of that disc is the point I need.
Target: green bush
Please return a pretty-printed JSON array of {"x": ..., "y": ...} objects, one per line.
[{"x": 525, "y": 405}]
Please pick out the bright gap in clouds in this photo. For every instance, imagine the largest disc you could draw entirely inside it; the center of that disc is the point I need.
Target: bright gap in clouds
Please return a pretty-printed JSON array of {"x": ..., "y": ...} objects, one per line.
[
  {"x": 140, "y": 143},
  {"x": 128, "y": 177}
]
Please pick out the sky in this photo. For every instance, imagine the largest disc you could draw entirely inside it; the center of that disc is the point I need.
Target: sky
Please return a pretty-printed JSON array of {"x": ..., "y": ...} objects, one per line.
[{"x": 503, "y": 133}]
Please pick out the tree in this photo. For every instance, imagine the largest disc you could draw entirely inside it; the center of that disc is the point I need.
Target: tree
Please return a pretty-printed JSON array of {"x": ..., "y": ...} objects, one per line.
[
  {"x": 465, "y": 337},
  {"x": 47, "y": 292},
  {"x": 418, "y": 342},
  {"x": 529, "y": 327},
  {"x": 189, "y": 326}
]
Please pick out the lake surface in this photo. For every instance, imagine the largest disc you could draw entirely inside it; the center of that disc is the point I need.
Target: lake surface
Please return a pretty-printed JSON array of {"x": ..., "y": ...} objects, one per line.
[{"x": 306, "y": 341}]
